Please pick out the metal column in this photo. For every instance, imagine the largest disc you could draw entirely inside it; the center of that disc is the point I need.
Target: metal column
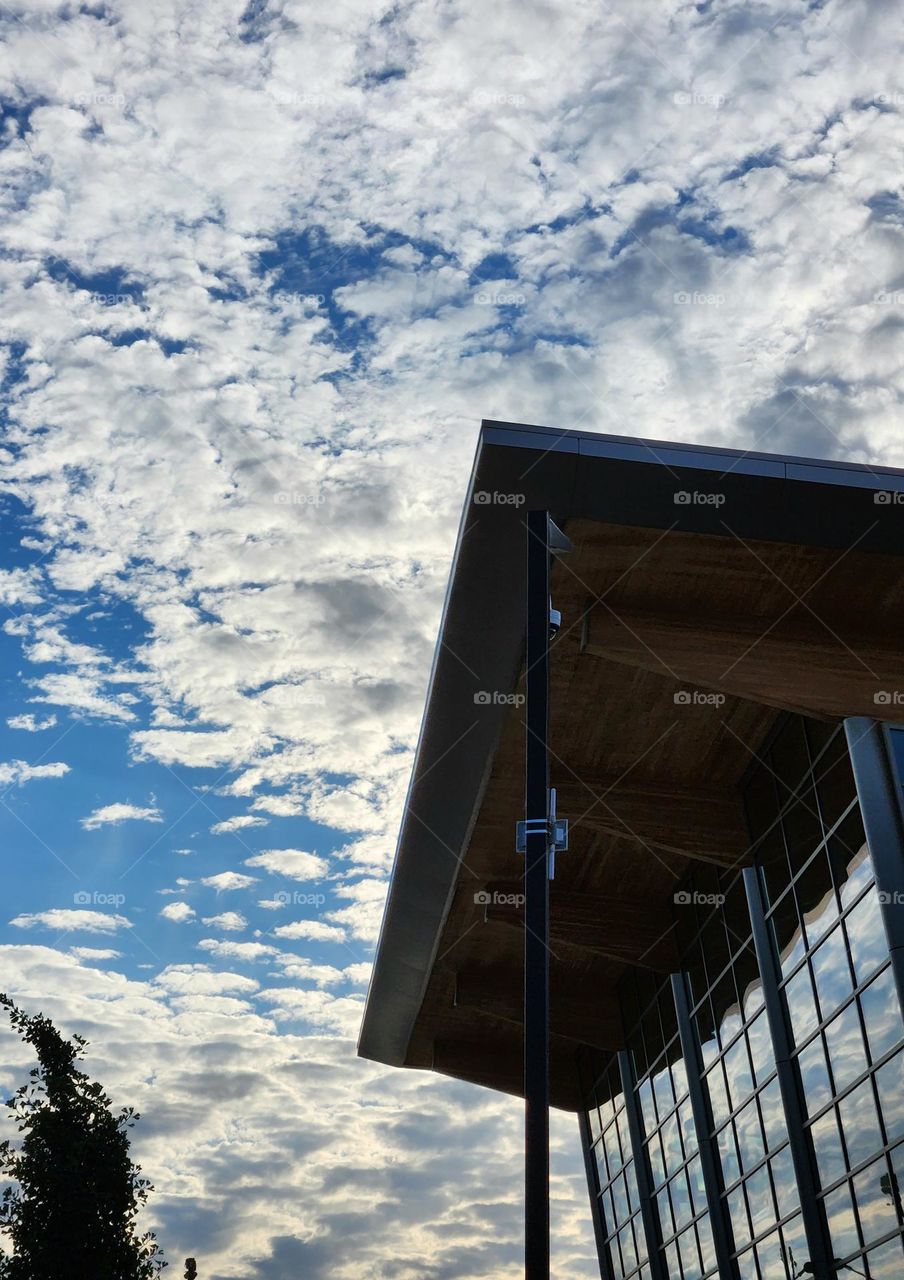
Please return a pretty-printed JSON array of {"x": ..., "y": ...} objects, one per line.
[
  {"x": 648, "y": 1212},
  {"x": 880, "y": 808},
  {"x": 536, "y": 906},
  {"x": 703, "y": 1123},
  {"x": 820, "y": 1264}
]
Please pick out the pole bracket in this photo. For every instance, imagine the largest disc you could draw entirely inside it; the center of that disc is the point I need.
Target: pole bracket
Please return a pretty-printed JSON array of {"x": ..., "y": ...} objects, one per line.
[{"x": 553, "y": 827}]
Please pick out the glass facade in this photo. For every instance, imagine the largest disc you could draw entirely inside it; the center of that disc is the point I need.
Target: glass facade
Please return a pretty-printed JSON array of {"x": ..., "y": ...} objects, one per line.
[{"x": 798, "y": 1051}]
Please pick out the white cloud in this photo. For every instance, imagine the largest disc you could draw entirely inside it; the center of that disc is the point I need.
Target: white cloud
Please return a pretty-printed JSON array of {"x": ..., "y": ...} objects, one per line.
[
  {"x": 30, "y": 723},
  {"x": 229, "y": 921},
  {"x": 18, "y": 772},
  {"x": 315, "y": 930},
  {"x": 64, "y": 920},
  {"x": 704, "y": 239},
  {"x": 294, "y": 863},
  {"x": 239, "y": 823},
  {"x": 177, "y": 912},
  {"x": 113, "y": 814},
  {"x": 199, "y": 979},
  {"x": 94, "y": 953},
  {"x": 248, "y": 951},
  {"x": 226, "y": 881}
]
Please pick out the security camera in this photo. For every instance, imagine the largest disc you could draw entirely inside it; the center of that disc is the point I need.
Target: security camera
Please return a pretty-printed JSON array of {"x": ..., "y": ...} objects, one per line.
[{"x": 555, "y": 622}]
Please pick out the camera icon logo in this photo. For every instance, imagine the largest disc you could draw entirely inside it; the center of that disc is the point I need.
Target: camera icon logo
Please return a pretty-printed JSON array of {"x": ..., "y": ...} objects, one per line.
[
  {"x": 682, "y": 498},
  {"x": 482, "y": 898},
  {"x": 482, "y": 498},
  {"x": 282, "y": 897},
  {"x": 482, "y": 698},
  {"x": 82, "y": 898},
  {"x": 682, "y": 898},
  {"x": 882, "y": 698}
]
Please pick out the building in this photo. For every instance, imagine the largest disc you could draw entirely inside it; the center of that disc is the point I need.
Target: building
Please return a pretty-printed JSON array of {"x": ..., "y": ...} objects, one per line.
[{"x": 727, "y": 925}]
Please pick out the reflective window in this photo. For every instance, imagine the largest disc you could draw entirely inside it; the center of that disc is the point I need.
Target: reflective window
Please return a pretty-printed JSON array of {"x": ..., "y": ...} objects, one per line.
[
  {"x": 840, "y": 1000},
  {"x": 842, "y": 1005}
]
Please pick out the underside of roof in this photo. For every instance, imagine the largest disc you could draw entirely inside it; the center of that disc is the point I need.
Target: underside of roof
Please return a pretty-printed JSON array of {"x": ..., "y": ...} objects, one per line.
[{"x": 707, "y": 593}]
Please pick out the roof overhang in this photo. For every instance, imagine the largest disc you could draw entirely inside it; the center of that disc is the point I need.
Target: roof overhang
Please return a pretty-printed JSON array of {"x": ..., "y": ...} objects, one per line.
[{"x": 771, "y": 581}]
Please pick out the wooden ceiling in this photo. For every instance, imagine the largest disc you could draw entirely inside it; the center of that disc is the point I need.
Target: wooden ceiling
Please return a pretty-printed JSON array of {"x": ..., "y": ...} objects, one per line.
[{"x": 676, "y": 653}]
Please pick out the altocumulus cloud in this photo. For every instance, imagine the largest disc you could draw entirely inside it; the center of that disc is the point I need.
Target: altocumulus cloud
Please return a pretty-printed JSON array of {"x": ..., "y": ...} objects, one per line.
[
  {"x": 111, "y": 815},
  {"x": 67, "y": 920},
  {"x": 17, "y": 772},
  {"x": 244, "y": 371}
]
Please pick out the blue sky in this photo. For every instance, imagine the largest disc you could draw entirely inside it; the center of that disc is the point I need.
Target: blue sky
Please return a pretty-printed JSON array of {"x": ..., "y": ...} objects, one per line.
[{"x": 263, "y": 269}]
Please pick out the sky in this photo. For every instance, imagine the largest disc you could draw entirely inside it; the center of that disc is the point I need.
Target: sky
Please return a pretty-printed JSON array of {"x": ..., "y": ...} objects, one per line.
[{"x": 263, "y": 269}]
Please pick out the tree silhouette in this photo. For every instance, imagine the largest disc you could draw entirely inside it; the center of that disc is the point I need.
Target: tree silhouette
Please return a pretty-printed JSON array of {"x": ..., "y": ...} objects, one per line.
[
  {"x": 71, "y": 1214},
  {"x": 191, "y": 1269}
]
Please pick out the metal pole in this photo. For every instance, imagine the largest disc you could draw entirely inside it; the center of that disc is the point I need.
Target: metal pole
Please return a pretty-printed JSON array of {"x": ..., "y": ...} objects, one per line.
[
  {"x": 883, "y": 823},
  {"x": 536, "y": 906},
  {"x": 820, "y": 1264},
  {"x": 642, "y": 1171},
  {"x": 703, "y": 1123}
]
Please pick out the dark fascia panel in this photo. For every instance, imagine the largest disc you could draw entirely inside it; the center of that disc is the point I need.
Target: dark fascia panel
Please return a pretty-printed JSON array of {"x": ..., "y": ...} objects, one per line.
[{"x": 616, "y": 480}]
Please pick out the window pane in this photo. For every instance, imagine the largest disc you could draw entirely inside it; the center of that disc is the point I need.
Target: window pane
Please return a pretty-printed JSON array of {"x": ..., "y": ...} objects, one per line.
[
  {"x": 815, "y": 1076},
  {"x": 832, "y": 972},
  {"x": 842, "y": 1225},
  {"x": 881, "y": 1014},
  {"x": 860, "y": 1124},
  {"x": 866, "y": 932},
  {"x": 846, "y": 1052},
  {"x": 829, "y": 1156},
  {"x": 890, "y": 1081},
  {"x": 874, "y": 1201}
]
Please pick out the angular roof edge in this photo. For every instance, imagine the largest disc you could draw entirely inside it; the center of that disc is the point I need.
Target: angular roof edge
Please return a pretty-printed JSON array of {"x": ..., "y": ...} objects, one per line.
[{"x": 616, "y": 479}]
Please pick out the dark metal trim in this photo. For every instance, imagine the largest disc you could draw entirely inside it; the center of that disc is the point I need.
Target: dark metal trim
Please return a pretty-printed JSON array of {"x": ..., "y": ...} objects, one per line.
[
  {"x": 648, "y": 1212},
  {"x": 788, "y": 1071},
  {"x": 536, "y": 905},
  {"x": 710, "y": 1167},
  {"x": 596, "y": 1209},
  {"x": 878, "y": 791}
]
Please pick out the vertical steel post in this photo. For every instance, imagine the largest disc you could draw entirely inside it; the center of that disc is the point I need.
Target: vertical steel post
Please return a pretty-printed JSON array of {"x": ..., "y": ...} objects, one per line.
[
  {"x": 536, "y": 906},
  {"x": 723, "y": 1240},
  {"x": 649, "y": 1214},
  {"x": 820, "y": 1264},
  {"x": 883, "y": 822}
]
